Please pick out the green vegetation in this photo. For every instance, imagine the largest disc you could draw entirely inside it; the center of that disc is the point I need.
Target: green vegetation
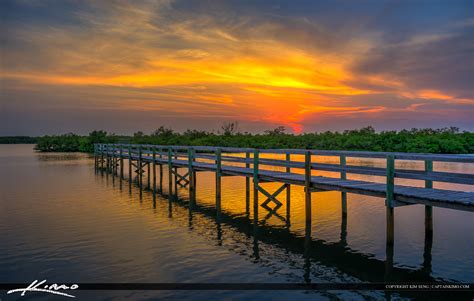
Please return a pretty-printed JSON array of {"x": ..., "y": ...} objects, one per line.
[
  {"x": 446, "y": 140},
  {"x": 73, "y": 143},
  {"x": 17, "y": 140}
]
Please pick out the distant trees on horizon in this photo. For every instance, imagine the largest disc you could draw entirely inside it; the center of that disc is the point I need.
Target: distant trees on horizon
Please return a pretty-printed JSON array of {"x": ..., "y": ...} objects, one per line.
[{"x": 445, "y": 140}]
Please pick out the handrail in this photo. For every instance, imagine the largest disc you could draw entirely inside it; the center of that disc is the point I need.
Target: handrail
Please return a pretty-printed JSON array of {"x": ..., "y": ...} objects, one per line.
[
  {"x": 147, "y": 150},
  {"x": 466, "y": 158}
]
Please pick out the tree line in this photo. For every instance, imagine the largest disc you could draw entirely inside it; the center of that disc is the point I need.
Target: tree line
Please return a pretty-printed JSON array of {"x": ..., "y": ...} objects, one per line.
[
  {"x": 17, "y": 140},
  {"x": 445, "y": 140}
]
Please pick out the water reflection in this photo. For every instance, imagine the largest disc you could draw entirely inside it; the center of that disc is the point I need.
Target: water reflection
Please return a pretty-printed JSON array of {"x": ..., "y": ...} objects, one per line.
[{"x": 352, "y": 262}]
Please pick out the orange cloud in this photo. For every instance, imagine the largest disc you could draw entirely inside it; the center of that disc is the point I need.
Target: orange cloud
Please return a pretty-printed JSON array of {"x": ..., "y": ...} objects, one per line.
[{"x": 196, "y": 67}]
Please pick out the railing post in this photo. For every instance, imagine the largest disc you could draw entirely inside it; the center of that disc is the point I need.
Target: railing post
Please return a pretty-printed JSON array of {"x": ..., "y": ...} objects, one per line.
[
  {"x": 428, "y": 209},
  {"x": 121, "y": 162},
  {"x": 114, "y": 160},
  {"x": 307, "y": 184},
  {"x": 148, "y": 173},
  {"x": 288, "y": 188},
  {"x": 102, "y": 158},
  {"x": 390, "y": 218},
  {"x": 427, "y": 257},
  {"x": 110, "y": 152},
  {"x": 140, "y": 171},
  {"x": 255, "y": 186},
  {"x": 95, "y": 157},
  {"x": 176, "y": 175},
  {"x": 154, "y": 170},
  {"x": 218, "y": 179},
  {"x": 130, "y": 177},
  {"x": 390, "y": 180},
  {"x": 161, "y": 169},
  {"x": 170, "y": 173},
  {"x": 107, "y": 159},
  {"x": 428, "y": 169},
  {"x": 194, "y": 173},
  {"x": 247, "y": 184},
  {"x": 191, "y": 175},
  {"x": 342, "y": 161}
]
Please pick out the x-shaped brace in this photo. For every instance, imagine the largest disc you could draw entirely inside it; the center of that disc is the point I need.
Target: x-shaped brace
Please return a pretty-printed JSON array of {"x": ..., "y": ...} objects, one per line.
[
  {"x": 140, "y": 169},
  {"x": 182, "y": 178},
  {"x": 272, "y": 197}
]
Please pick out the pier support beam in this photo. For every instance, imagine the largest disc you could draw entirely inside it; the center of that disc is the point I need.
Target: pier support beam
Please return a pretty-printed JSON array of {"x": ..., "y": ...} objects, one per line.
[
  {"x": 121, "y": 163},
  {"x": 130, "y": 177},
  {"x": 247, "y": 184},
  {"x": 161, "y": 170},
  {"x": 148, "y": 176},
  {"x": 170, "y": 174},
  {"x": 288, "y": 191},
  {"x": 102, "y": 160},
  {"x": 192, "y": 188},
  {"x": 389, "y": 199},
  {"x": 255, "y": 186},
  {"x": 389, "y": 247},
  {"x": 307, "y": 254},
  {"x": 140, "y": 166},
  {"x": 307, "y": 188},
  {"x": 154, "y": 171},
  {"x": 176, "y": 176},
  {"x": 95, "y": 158},
  {"x": 390, "y": 180},
  {"x": 107, "y": 158},
  {"x": 342, "y": 163},
  {"x": 218, "y": 179},
  {"x": 390, "y": 219},
  {"x": 428, "y": 209}
]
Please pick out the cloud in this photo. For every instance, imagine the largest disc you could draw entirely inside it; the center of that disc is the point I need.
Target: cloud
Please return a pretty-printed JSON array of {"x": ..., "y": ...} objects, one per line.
[
  {"x": 443, "y": 62},
  {"x": 262, "y": 64}
]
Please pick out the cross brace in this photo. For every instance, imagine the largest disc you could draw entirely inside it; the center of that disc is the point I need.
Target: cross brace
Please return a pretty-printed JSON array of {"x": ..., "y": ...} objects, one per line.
[
  {"x": 181, "y": 178},
  {"x": 140, "y": 169},
  {"x": 272, "y": 197}
]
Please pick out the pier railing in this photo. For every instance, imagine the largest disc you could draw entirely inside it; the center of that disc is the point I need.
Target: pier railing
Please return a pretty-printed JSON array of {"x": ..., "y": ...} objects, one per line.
[
  {"x": 210, "y": 153},
  {"x": 297, "y": 166}
]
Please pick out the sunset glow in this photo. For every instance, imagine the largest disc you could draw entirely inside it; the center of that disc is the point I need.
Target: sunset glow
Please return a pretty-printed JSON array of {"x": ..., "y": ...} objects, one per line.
[{"x": 191, "y": 64}]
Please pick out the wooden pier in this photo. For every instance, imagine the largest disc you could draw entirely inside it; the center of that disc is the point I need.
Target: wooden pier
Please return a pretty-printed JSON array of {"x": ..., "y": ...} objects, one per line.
[{"x": 296, "y": 167}]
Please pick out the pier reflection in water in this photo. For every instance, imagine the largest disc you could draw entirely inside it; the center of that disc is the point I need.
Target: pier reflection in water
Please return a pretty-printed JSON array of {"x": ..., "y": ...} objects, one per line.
[
  {"x": 186, "y": 177},
  {"x": 275, "y": 229}
]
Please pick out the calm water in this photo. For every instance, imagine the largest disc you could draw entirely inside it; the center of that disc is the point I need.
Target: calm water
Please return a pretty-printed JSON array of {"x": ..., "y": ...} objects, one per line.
[{"x": 62, "y": 222}]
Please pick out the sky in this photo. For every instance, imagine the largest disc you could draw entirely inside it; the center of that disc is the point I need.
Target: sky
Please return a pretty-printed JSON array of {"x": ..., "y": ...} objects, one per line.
[{"x": 127, "y": 66}]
